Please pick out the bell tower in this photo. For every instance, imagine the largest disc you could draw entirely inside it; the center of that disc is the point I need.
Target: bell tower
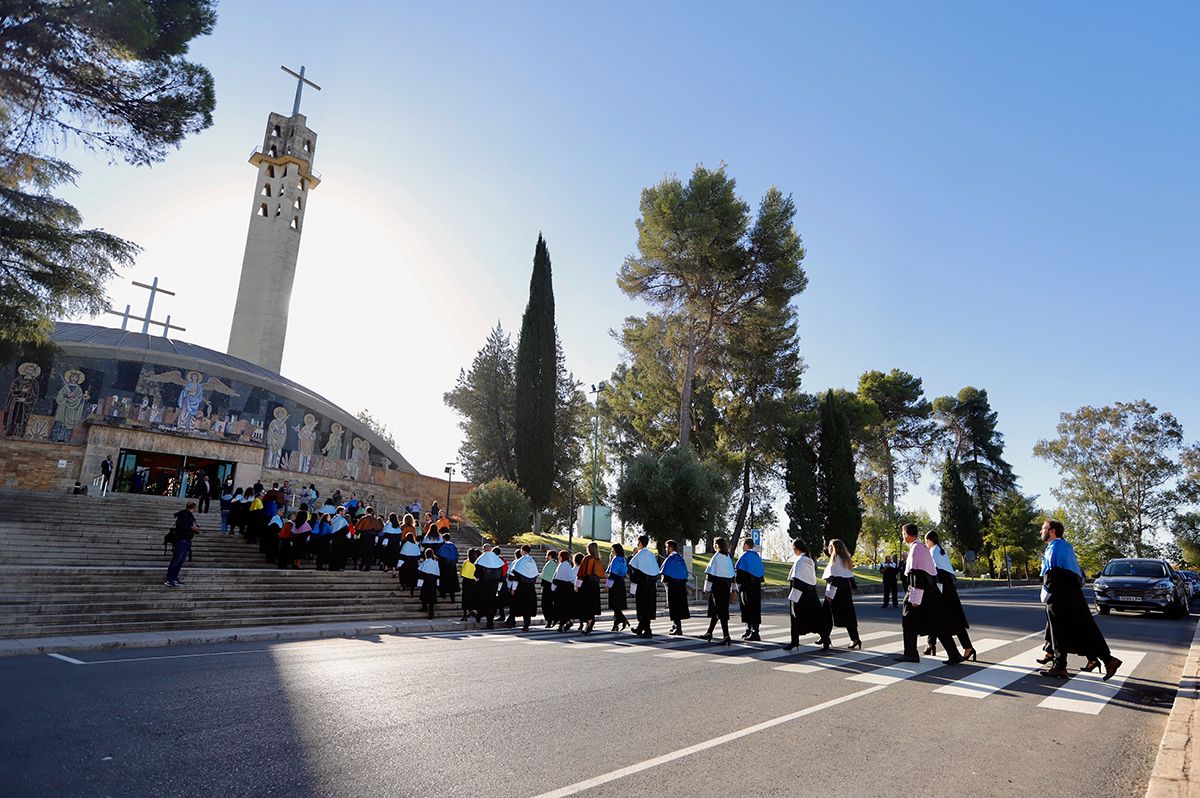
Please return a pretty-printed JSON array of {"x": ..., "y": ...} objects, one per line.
[{"x": 285, "y": 179}]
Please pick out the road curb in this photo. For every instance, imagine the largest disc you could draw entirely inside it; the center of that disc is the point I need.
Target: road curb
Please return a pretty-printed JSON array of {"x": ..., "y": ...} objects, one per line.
[
  {"x": 1176, "y": 771},
  {"x": 67, "y": 644}
]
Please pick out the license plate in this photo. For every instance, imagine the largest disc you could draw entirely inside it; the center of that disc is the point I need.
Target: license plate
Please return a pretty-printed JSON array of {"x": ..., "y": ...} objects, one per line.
[{"x": 1129, "y": 598}]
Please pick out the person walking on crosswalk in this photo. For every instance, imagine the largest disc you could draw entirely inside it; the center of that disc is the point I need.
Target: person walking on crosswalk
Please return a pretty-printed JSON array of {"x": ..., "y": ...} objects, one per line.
[
  {"x": 1069, "y": 619},
  {"x": 839, "y": 598},
  {"x": 808, "y": 614},
  {"x": 952, "y": 609},
  {"x": 922, "y": 613},
  {"x": 718, "y": 583},
  {"x": 643, "y": 585},
  {"x": 750, "y": 571},
  {"x": 675, "y": 575}
]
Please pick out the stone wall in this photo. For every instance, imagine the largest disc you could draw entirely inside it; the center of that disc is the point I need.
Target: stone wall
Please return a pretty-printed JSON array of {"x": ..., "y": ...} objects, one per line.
[{"x": 34, "y": 465}]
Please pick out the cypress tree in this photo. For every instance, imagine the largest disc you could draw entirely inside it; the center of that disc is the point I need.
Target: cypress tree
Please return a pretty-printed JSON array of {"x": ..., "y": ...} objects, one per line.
[
  {"x": 535, "y": 397},
  {"x": 800, "y": 478},
  {"x": 838, "y": 487},
  {"x": 960, "y": 518}
]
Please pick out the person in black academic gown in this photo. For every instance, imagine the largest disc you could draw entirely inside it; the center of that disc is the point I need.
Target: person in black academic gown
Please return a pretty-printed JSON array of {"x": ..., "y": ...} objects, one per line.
[
  {"x": 524, "y": 573},
  {"x": 489, "y": 572},
  {"x": 547, "y": 579},
  {"x": 953, "y": 614},
  {"x": 675, "y": 575},
  {"x": 808, "y": 614},
  {"x": 447, "y": 556},
  {"x": 1069, "y": 619},
  {"x": 618, "y": 571},
  {"x": 718, "y": 583},
  {"x": 750, "y": 572},
  {"x": 922, "y": 613},
  {"x": 470, "y": 586},
  {"x": 643, "y": 583},
  {"x": 564, "y": 591},
  {"x": 428, "y": 574}
]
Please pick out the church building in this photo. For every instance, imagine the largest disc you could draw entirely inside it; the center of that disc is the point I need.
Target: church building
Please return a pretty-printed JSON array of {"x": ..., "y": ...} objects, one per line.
[{"x": 166, "y": 410}]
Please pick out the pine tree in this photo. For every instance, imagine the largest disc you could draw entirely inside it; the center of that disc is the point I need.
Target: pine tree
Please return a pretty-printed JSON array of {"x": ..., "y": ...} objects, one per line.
[
  {"x": 483, "y": 397},
  {"x": 960, "y": 517},
  {"x": 840, "y": 509},
  {"x": 800, "y": 480},
  {"x": 537, "y": 384}
]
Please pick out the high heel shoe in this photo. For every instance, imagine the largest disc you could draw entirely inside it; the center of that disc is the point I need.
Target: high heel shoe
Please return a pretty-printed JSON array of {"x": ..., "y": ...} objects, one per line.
[
  {"x": 791, "y": 647},
  {"x": 1046, "y": 660},
  {"x": 855, "y": 646},
  {"x": 707, "y": 637},
  {"x": 930, "y": 651},
  {"x": 969, "y": 654},
  {"x": 624, "y": 626},
  {"x": 1092, "y": 664},
  {"x": 727, "y": 641}
]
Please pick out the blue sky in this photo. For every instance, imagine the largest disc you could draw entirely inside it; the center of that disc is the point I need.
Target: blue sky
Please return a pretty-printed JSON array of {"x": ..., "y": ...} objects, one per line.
[{"x": 998, "y": 195}]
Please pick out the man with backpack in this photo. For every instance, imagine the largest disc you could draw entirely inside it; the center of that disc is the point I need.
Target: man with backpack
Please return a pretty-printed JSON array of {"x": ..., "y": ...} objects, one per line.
[{"x": 180, "y": 538}]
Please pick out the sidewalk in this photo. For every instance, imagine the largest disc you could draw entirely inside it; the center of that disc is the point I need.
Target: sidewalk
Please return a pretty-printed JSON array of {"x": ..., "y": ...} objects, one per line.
[
  {"x": 1176, "y": 771},
  {"x": 245, "y": 634},
  {"x": 191, "y": 637}
]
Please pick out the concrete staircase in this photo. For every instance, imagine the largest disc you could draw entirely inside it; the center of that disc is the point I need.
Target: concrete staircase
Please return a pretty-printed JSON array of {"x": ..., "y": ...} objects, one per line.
[{"x": 74, "y": 565}]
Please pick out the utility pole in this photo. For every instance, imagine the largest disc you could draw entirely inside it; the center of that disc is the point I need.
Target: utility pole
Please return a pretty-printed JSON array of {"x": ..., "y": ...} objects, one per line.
[
  {"x": 449, "y": 472},
  {"x": 596, "y": 389}
]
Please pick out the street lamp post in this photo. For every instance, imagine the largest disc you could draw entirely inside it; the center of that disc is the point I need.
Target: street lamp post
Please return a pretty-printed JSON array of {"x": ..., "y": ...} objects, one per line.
[
  {"x": 449, "y": 476},
  {"x": 596, "y": 389}
]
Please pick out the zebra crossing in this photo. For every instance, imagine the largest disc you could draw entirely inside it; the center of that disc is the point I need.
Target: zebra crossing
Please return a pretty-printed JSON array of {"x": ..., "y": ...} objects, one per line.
[{"x": 1084, "y": 693}]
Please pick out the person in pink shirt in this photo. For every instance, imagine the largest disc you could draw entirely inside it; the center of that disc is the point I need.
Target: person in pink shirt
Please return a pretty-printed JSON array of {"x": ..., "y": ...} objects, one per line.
[{"x": 923, "y": 602}]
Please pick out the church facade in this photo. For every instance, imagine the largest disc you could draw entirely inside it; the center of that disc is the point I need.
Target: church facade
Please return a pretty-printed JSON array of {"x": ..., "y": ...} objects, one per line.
[{"x": 166, "y": 410}]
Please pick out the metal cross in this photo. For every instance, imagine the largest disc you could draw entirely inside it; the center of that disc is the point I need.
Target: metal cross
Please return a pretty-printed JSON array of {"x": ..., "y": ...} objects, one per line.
[
  {"x": 147, "y": 320},
  {"x": 300, "y": 81}
]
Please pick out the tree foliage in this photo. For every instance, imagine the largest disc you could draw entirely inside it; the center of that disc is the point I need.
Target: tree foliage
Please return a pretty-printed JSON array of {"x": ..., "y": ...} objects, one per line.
[
  {"x": 673, "y": 495},
  {"x": 1014, "y": 528},
  {"x": 536, "y": 394},
  {"x": 499, "y": 508},
  {"x": 376, "y": 426},
  {"x": 1185, "y": 530},
  {"x": 483, "y": 398},
  {"x": 975, "y": 446},
  {"x": 959, "y": 517},
  {"x": 900, "y": 439},
  {"x": 704, "y": 264},
  {"x": 1120, "y": 467},
  {"x": 110, "y": 77},
  {"x": 838, "y": 488},
  {"x": 800, "y": 481}
]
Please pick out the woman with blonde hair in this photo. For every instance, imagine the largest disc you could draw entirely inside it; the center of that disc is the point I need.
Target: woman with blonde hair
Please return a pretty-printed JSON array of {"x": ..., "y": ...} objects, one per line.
[{"x": 839, "y": 601}]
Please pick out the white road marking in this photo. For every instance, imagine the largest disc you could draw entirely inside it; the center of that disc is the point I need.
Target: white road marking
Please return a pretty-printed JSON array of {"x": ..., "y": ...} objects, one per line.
[
  {"x": 1088, "y": 693},
  {"x": 839, "y": 659},
  {"x": 588, "y": 784},
  {"x": 899, "y": 671},
  {"x": 1031, "y": 635},
  {"x": 986, "y": 681},
  {"x": 65, "y": 658}
]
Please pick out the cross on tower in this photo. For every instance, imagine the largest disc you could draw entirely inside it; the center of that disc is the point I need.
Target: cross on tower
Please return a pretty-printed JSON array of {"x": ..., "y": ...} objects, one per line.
[{"x": 300, "y": 81}]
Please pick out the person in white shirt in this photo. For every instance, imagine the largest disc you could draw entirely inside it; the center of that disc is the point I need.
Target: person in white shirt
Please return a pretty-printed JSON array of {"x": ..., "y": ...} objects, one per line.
[
  {"x": 953, "y": 614},
  {"x": 808, "y": 616},
  {"x": 922, "y": 614},
  {"x": 839, "y": 597}
]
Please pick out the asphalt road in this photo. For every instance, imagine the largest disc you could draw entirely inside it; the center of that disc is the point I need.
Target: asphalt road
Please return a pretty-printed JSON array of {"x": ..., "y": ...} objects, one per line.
[{"x": 505, "y": 714}]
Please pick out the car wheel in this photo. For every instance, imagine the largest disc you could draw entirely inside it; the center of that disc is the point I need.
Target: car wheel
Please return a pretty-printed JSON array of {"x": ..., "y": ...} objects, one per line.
[{"x": 1103, "y": 610}]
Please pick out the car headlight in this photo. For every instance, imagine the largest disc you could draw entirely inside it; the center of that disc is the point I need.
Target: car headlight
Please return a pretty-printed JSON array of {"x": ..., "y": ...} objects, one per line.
[{"x": 1102, "y": 589}]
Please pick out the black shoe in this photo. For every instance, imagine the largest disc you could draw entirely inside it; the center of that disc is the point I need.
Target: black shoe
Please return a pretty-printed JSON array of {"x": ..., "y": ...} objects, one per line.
[
  {"x": 855, "y": 646},
  {"x": 791, "y": 647},
  {"x": 491, "y": 624},
  {"x": 754, "y": 638},
  {"x": 727, "y": 641},
  {"x": 706, "y": 637},
  {"x": 956, "y": 660},
  {"x": 906, "y": 659}
]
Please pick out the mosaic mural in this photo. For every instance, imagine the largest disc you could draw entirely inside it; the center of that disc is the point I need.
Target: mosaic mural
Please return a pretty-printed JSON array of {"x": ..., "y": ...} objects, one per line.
[{"x": 56, "y": 399}]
